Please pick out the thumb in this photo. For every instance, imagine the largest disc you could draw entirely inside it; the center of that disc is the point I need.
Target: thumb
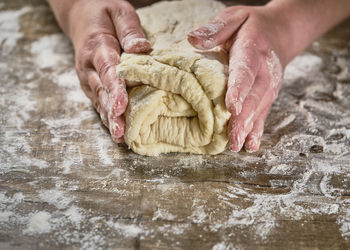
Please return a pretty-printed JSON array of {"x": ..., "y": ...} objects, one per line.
[
  {"x": 129, "y": 31},
  {"x": 219, "y": 30}
]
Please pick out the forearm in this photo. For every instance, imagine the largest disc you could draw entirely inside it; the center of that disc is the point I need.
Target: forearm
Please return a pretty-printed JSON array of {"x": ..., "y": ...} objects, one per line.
[
  {"x": 306, "y": 20},
  {"x": 62, "y": 10}
]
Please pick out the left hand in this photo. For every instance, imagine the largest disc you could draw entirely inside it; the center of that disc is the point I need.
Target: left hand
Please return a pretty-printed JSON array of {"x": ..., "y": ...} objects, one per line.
[{"x": 251, "y": 35}]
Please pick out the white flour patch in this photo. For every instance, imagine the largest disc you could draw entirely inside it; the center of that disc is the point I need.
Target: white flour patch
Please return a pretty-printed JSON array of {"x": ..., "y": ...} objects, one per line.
[
  {"x": 16, "y": 150},
  {"x": 127, "y": 230},
  {"x": 70, "y": 82},
  {"x": 282, "y": 169},
  {"x": 162, "y": 214},
  {"x": 56, "y": 197},
  {"x": 38, "y": 223},
  {"x": 190, "y": 161},
  {"x": 103, "y": 144},
  {"x": 5, "y": 216},
  {"x": 301, "y": 66},
  {"x": 223, "y": 246},
  {"x": 285, "y": 122},
  {"x": 72, "y": 158},
  {"x": 75, "y": 215},
  {"x": 20, "y": 104},
  {"x": 9, "y": 29},
  {"x": 198, "y": 215},
  {"x": 344, "y": 221},
  {"x": 177, "y": 229},
  {"x": 51, "y": 51}
]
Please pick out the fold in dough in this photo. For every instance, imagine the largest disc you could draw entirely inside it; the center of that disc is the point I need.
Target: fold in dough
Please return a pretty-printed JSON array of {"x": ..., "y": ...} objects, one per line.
[{"x": 180, "y": 106}]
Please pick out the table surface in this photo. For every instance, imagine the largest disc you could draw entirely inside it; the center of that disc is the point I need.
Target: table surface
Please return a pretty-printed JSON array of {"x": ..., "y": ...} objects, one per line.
[{"x": 65, "y": 184}]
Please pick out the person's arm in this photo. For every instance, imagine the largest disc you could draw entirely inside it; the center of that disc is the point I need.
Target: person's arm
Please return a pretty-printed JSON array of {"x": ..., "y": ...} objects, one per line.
[
  {"x": 306, "y": 20},
  {"x": 99, "y": 30},
  {"x": 261, "y": 41}
]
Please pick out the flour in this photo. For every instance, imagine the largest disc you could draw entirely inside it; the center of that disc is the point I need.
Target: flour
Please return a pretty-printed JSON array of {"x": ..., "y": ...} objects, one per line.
[
  {"x": 285, "y": 122},
  {"x": 70, "y": 82},
  {"x": 49, "y": 50},
  {"x": 128, "y": 230},
  {"x": 163, "y": 215},
  {"x": 302, "y": 165},
  {"x": 5, "y": 216},
  {"x": 198, "y": 215},
  {"x": 191, "y": 161},
  {"x": 56, "y": 197},
  {"x": 103, "y": 144},
  {"x": 301, "y": 66},
  {"x": 223, "y": 246},
  {"x": 75, "y": 215},
  {"x": 10, "y": 29},
  {"x": 344, "y": 221},
  {"x": 38, "y": 223}
]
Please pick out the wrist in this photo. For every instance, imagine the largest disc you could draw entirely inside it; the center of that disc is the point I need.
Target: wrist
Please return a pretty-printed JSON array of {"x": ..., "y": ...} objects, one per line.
[{"x": 63, "y": 10}]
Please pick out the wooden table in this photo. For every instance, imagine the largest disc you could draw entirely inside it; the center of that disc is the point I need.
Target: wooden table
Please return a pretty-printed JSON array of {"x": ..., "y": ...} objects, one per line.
[{"x": 65, "y": 185}]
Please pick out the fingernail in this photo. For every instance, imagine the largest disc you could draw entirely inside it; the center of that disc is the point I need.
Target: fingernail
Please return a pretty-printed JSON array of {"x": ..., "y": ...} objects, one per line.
[
  {"x": 136, "y": 45},
  {"x": 117, "y": 129},
  {"x": 119, "y": 105},
  {"x": 252, "y": 145},
  {"x": 237, "y": 143},
  {"x": 201, "y": 41}
]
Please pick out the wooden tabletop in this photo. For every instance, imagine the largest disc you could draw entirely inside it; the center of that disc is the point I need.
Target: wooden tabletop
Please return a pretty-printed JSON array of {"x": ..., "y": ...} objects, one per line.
[{"x": 65, "y": 185}]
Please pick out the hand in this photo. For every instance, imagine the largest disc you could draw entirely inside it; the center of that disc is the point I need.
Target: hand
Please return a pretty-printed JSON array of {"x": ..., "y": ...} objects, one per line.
[
  {"x": 98, "y": 30},
  {"x": 251, "y": 36}
]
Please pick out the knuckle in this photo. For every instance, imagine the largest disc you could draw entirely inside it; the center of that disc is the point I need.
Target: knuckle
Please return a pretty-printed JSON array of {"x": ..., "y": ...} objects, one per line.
[
  {"x": 103, "y": 67},
  {"x": 98, "y": 89},
  {"x": 98, "y": 38},
  {"x": 130, "y": 32},
  {"x": 83, "y": 60}
]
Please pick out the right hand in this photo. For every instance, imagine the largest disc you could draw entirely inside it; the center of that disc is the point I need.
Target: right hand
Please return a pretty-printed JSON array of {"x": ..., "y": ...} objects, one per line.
[{"x": 99, "y": 30}]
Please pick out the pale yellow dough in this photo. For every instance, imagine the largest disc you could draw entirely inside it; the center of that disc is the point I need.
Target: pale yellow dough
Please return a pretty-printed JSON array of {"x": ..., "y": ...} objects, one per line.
[{"x": 180, "y": 105}]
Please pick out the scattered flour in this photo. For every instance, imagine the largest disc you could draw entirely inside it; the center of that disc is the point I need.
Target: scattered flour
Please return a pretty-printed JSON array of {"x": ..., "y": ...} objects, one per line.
[
  {"x": 39, "y": 223},
  {"x": 261, "y": 212},
  {"x": 128, "y": 230},
  {"x": 10, "y": 29},
  {"x": 198, "y": 214},
  {"x": 56, "y": 197},
  {"x": 163, "y": 215},
  {"x": 75, "y": 215},
  {"x": 223, "y": 246},
  {"x": 301, "y": 66},
  {"x": 49, "y": 50},
  {"x": 103, "y": 144},
  {"x": 70, "y": 82},
  {"x": 285, "y": 122},
  {"x": 5, "y": 216}
]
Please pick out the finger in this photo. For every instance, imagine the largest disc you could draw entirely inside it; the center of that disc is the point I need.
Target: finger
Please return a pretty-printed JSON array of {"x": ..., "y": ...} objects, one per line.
[
  {"x": 243, "y": 68},
  {"x": 99, "y": 96},
  {"x": 101, "y": 102},
  {"x": 128, "y": 28},
  {"x": 104, "y": 61},
  {"x": 219, "y": 30},
  {"x": 116, "y": 128},
  {"x": 260, "y": 96},
  {"x": 252, "y": 142}
]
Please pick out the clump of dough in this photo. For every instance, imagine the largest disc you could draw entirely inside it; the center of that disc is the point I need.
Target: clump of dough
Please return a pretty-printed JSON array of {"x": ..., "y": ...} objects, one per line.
[{"x": 179, "y": 107}]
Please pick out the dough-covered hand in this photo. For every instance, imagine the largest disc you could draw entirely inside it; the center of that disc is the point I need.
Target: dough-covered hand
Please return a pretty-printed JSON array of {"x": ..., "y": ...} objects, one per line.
[
  {"x": 99, "y": 30},
  {"x": 255, "y": 71}
]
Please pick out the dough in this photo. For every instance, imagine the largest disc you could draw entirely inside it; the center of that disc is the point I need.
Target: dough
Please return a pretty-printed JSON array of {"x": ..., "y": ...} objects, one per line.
[{"x": 179, "y": 107}]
